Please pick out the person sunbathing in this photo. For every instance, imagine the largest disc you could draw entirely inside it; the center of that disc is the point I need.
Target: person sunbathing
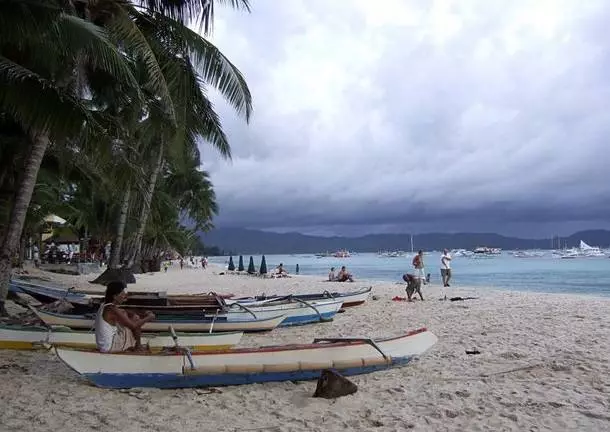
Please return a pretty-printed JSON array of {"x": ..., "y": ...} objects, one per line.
[
  {"x": 281, "y": 270},
  {"x": 344, "y": 275},
  {"x": 331, "y": 275},
  {"x": 116, "y": 329}
]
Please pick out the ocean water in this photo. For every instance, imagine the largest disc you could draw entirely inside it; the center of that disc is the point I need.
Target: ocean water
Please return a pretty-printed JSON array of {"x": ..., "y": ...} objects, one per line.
[{"x": 539, "y": 274}]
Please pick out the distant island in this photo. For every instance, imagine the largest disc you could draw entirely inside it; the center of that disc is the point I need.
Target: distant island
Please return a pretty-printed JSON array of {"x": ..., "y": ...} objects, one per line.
[{"x": 248, "y": 241}]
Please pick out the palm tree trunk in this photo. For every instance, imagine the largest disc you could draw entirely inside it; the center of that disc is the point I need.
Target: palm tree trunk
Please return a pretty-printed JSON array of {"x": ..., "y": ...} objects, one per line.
[
  {"x": 115, "y": 254},
  {"x": 25, "y": 189},
  {"x": 146, "y": 207}
]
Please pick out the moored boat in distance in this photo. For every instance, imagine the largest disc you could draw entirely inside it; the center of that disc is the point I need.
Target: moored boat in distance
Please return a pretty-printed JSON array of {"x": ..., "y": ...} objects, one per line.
[
  {"x": 484, "y": 250},
  {"x": 30, "y": 337},
  {"x": 349, "y": 356}
]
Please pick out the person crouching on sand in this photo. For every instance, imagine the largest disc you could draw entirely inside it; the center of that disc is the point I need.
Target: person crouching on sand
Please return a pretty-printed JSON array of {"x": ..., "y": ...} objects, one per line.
[
  {"x": 116, "y": 329},
  {"x": 344, "y": 275}
]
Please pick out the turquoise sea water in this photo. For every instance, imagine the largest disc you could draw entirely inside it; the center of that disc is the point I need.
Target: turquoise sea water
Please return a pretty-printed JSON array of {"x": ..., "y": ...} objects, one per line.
[{"x": 540, "y": 274}]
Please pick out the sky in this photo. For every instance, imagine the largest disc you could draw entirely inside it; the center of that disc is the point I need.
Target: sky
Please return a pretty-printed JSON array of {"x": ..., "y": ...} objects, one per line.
[{"x": 417, "y": 116}]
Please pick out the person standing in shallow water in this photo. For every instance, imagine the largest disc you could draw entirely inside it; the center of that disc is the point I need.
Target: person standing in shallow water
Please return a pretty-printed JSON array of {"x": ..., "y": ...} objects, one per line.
[{"x": 446, "y": 267}]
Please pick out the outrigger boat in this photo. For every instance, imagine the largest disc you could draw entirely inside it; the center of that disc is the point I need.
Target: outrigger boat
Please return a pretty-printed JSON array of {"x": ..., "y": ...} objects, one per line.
[
  {"x": 30, "y": 337},
  {"x": 353, "y": 298},
  {"x": 349, "y": 356},
  {"x": 295, "y": 311},
  {"x": 85, "y": 300},
  {"x": 210, "y": 324},
  {"x": 47, "y": 294}
]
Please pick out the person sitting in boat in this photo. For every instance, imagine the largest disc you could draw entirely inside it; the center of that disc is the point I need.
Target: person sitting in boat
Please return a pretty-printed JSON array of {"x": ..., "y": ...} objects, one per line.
[
  {"x": 331, "y": 275},
  {"x": 281, "y": 270},
  {"x": 116, "y": 329},
  {"x": 344, "y": 275}
]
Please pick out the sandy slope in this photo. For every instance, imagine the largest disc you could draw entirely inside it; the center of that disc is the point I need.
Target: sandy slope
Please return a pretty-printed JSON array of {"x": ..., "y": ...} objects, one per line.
[{"x": 543, "y": 365}]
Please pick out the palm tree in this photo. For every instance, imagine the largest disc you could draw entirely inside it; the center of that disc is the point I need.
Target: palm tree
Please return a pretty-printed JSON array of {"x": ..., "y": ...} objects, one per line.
[
  {"x": 41, "y": 46},
  {"x": 188, "y": 61},
  {"x": 47, "y": 49}
]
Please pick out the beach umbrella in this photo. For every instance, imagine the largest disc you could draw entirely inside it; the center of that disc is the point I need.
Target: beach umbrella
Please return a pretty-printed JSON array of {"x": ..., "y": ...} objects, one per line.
[
  {"x": 263, "y": 269},
  {"x": 54, "y": 220},
  {"x": 251, "y": 269},
  {"x": 231, "y": 265},
  {"x": 240, "y": 267}
]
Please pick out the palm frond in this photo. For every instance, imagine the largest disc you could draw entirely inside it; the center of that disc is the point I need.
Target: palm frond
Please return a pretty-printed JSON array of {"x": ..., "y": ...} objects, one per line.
[
  {"x": 211, "y": 65},
  {"x": 127, "y": 34},
  {"x": 38, "y": 104},
  {"x": 77, "y": 35},
  {"x": 199, "y": 11}
]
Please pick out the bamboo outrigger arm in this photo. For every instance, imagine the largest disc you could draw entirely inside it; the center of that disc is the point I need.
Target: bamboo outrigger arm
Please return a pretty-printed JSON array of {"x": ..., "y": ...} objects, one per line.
[
  {"x": 369, "y": 341},
  {"x": 241, "y": 306},
  {"x": 313, "y": 307}
]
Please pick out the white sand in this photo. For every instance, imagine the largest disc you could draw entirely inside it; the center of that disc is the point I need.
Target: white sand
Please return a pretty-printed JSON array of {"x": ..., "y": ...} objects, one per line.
[{"x": 544, "y": 365}]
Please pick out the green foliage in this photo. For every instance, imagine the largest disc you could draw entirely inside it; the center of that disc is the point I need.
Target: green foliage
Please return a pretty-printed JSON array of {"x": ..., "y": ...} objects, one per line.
[{"x": 117, "y": 85}]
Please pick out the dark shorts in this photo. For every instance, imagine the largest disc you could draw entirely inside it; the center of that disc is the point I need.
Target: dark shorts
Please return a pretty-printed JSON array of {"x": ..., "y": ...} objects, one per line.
[{"x": 445, "y": 272}]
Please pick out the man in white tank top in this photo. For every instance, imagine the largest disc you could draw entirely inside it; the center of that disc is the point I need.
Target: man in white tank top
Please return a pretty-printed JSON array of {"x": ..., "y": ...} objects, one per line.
[{"x": 116, "y": 329}]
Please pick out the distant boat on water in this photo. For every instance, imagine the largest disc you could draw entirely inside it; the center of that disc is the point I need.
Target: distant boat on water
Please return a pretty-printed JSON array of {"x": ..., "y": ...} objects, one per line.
[
  {"x": 484, "y": 250},
  {"x": 342, "y": 253}
]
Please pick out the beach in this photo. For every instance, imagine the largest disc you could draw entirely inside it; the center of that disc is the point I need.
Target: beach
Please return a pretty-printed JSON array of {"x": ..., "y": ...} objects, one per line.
[{"x": 543, "y": 365}]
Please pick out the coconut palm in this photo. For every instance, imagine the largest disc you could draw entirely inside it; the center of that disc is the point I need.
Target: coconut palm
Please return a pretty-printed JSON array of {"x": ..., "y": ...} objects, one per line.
[
  {"x": 41, "y": 46},
  {"x": 188, "y": 62},
  {"x": 49, "y": 48}
]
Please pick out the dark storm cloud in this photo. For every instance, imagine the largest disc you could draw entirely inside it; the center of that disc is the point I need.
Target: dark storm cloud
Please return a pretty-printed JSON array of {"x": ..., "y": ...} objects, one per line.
[{"x": 419, "y": 115}]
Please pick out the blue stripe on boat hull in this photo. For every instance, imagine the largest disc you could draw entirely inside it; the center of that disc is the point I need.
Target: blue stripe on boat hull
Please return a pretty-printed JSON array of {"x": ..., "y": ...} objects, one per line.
[
  {"x": 168, "y": 381},
  {"x": 305, "y": 319}
]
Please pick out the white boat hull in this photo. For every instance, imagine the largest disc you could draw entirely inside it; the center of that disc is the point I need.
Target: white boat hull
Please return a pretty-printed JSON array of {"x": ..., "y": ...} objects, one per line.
[
  {"x": 291, "y": 362},
  {"x": 185, "y": 325},
  {"x": 294, "y": 313},
  {"x": 21, "y": 338}
]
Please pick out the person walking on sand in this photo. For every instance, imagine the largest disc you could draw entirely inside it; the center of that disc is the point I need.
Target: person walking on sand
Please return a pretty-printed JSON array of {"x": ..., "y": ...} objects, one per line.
[
  {"x": 446, "y": 267},
  {"x": 418, "y": 265}
]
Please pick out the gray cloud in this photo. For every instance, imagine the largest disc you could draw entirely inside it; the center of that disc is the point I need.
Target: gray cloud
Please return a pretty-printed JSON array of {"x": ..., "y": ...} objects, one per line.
[{"x": 419, "y": 115}]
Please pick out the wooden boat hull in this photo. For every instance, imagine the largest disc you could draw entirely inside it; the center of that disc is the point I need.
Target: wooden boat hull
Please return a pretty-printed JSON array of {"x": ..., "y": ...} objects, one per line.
[
  {"x": 29, "y": 338},
  {"x": 294, "y": 313},
  {"x": 349, "y": 299},
  {"x": 245, "y": 366},
  {"x": 162, "y": 325},
  {"x": 46, "y": 294}
]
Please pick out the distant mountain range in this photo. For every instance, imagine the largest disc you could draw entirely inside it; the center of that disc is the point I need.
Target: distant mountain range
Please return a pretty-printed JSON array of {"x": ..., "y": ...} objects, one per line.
[{"x": 246, "y": 241}]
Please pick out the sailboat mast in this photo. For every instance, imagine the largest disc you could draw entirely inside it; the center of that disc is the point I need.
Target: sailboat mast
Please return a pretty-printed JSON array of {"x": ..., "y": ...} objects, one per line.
[{"x": 411, "y": 243}]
